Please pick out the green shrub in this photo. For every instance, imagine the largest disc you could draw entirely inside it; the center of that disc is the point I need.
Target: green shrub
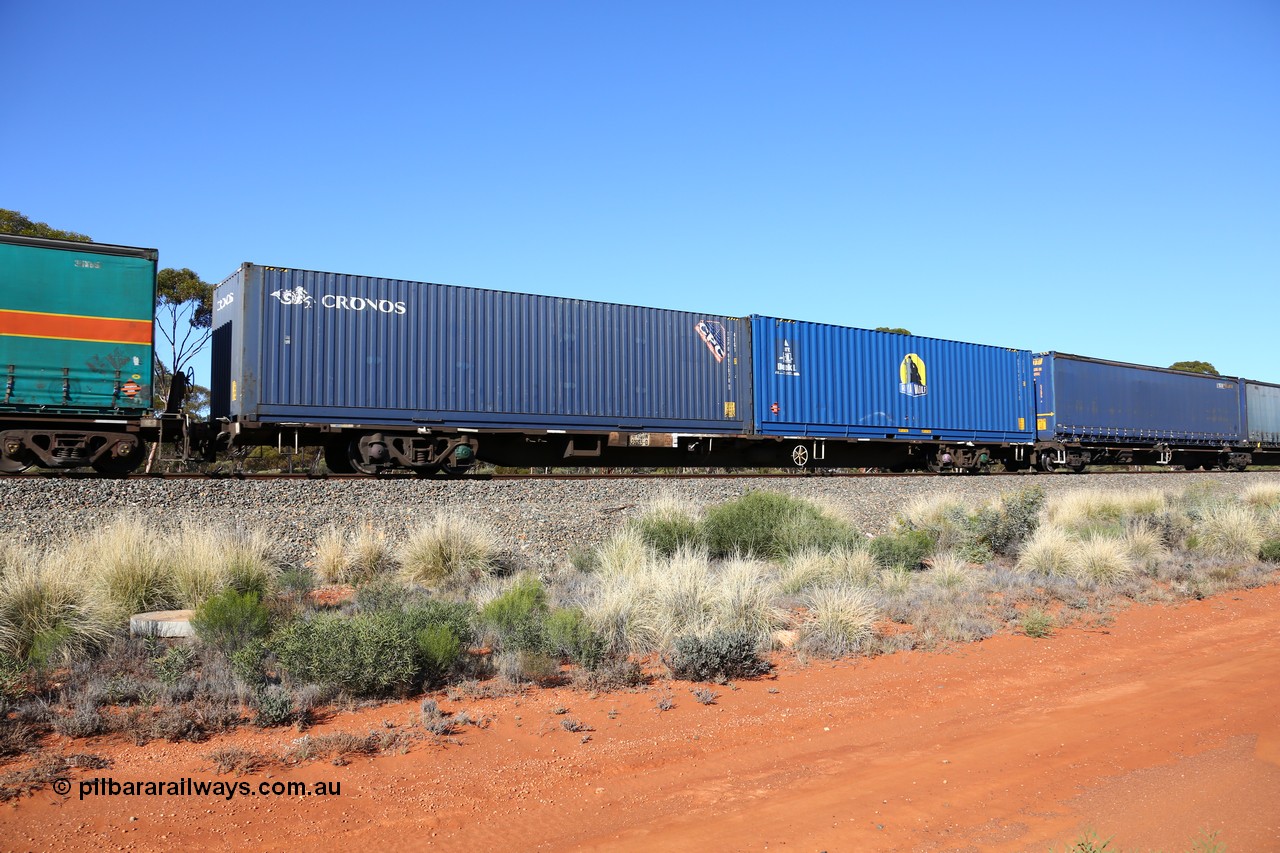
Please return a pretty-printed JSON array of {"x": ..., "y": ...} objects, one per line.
[
  {"x": 719, "y": 655},
  {"x": 366, "y": 655},
  {"x": 1270, "y": 551},
  {"x": 569, "y": 636},
  {"x": 176, "y": 662},
  {"x": 1004, "y": 525},
  {"x": 248, "y": 663},
  {"x": 230, "y": 619},
  {"x": 772, "y": 525},
  {"x": 439, "y": 651},
  {"x": 273, "y": 706},
  {"x": 518, "y": 617},
  {"x": 666, "y": 534},
  {"x": 902, "y": 548}
]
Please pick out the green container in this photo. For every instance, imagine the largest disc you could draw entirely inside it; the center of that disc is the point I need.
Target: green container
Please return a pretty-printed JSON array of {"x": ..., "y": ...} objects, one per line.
[{"x": 76, "y": 327}]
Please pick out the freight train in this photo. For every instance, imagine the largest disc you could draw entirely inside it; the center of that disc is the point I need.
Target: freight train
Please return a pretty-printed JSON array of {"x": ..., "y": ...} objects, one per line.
[{"x": 385, "y": 374}]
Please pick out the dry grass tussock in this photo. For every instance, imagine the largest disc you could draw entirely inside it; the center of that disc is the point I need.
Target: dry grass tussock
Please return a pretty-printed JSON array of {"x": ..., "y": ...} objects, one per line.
[
  {"x": 1262, "y": 495},
  {"x": 203, "y": 561},
  {"x": 1077, "y": 509},
  {"x": 839, "y": 620},
  {"x": 48, "y": 613},
  {"x": 126, "y": 567},
  {"x": 937, "y": 514},
  {"x": 1047, "y": 552},
  {"x": 1229, "y": 531},
  {"x": 1145, "y": 545},
  {"x": 447, "y": 551},
  {"x": 949, "y": 571},
  {"x": 623, "y": 553},
  {"x": 352, "y": 556},
  {"x": 818, "y": 567},
  {"x": 1101, "y": 560}
]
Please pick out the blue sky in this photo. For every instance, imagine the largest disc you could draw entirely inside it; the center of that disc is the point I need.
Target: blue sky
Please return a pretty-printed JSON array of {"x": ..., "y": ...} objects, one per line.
[{"x": 1093, "y": 177}]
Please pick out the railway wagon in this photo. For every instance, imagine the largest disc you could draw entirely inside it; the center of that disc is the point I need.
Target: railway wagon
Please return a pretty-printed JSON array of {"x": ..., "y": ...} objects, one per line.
[
  {"x": 891, "y": 400},
  {"x": 388, "y": 373},
  {"x": 76, "y": 334},
  {"x": 1091, "y": 411},
  {"x": 1262, "y": 406}
]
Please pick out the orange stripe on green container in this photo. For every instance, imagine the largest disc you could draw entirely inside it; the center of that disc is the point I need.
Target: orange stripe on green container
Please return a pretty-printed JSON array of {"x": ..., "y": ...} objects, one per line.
[{"x": 35, "y": 324}]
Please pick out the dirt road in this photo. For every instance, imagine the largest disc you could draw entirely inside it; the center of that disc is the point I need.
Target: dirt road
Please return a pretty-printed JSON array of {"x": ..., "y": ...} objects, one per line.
[{"x": 1157, "y": 727}]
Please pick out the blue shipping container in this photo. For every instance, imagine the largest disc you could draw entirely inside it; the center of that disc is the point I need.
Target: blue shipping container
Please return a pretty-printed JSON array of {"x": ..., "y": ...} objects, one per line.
[
  {"x": 1262, "y": 403},
  {"x": 812, "y": 379},
  {"x": 1085, "y": 399},
  {"x": 315, "y": 347}
]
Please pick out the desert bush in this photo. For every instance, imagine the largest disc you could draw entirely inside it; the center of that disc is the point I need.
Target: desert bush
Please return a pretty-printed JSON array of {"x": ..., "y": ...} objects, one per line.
[
  {"x": 246, "y": 554},
  {"x": 719, "y": 655},
  {"x": 942, "y": 515},
  {"x": 439, "y": 651},
  {"x": 839, "y": 621},
  {"x": 125, "y": 567},
  {"x": 613, "y": 673},
  {"x": 517, "y": 618},
  {"x": 771, "y": 525},
  {"x": 680, "y": 598},
  {"x": 447, "y": 551},
  {"x": 518, "y": 666},
  {"x": 1005, "y": 524},
  {"x": 1229, "y": 531},
  {"x": 248, "y": 663},
  {"x": 1145, "y": 545},
  {"x": 809, "y": 568},
  {"x": 902, "y": 548},
  {"x": 230, "y": 619},
  {"x": 1100, "y": 559},
  {"x": 1270, "y": 551},
  {"x": 273, "y": 706},
  {"x": 1089, "y": 509},
  {"x": 46, "y": 613},
  {"x": 1047, "y": 552},
  {"x": 705, "y": 695},
  {"x": 569, "y": 636},
  {"x": 668, "y": 524},
  {"x": 894, "y": 581},
  {"x": 171, "y": 666},
  {"x": 235, "y": 759}
]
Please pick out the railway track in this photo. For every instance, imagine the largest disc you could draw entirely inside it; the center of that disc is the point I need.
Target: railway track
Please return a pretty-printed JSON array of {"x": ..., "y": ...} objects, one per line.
[{"x": 488, "y": 476}]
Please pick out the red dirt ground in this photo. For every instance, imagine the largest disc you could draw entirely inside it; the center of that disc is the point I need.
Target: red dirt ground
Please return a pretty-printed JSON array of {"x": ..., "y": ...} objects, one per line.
[{"x": 1154, "y": 729}]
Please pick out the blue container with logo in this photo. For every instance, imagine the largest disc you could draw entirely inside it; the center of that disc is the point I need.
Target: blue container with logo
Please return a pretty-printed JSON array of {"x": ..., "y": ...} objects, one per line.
[
  {"x": 1089, "y": 400},
  {"x": 813, "y": 379},
  {"x": 297, "y": 346}
]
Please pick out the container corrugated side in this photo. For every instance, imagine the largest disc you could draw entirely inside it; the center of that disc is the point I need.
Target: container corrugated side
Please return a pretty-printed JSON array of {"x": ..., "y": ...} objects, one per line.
[
  {"x": 822, "y": 380},
  {"x": 1086, "y": 399},
  {"x": 1262, "y": 404},
  {"x": 76, "y": 326},
  {"x": 335, "y": 348}
]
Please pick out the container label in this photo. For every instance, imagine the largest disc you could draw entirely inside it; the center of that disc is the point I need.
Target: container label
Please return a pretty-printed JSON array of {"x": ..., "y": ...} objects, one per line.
[
  {"x": 785, "y": 358},
  {"x": 712, "y": 334},
  {"x": 299, "y": 296},
  {"x": 912, "y": 375}
]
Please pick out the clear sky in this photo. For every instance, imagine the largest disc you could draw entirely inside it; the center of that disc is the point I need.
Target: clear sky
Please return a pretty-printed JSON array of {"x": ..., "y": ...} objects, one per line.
[{"x": 1093, "y": 177}]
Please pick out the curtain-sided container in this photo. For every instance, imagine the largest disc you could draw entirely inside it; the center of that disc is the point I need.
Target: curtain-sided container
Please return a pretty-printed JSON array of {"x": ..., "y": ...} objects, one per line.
[
  {"x": 1262, "y": 404},
  {"x": 312, "y": 347},
  {"x": 813, "y": 379},
  {"x": 76, "y": 327},
  {"x": 1091, "y": 400}
]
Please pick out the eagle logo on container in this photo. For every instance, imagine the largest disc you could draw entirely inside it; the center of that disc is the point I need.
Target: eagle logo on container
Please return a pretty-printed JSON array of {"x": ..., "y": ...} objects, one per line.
[
  {"x": 712, "y": 334},
  {"x": 297, "y": 296},
  {"x": 912, "y": 375}
]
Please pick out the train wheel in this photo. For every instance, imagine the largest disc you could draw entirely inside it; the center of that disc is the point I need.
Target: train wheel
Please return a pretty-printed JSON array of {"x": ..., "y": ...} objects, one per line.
[
  {"x": 335, "y": 458},
  {"x": 12, "y": 466},
  {"x": 1047, "y": 464},
  {"x": 118, "y": 466},
  {"x": 800, "y": 455},
  {"x": 1077, "y": 469}
]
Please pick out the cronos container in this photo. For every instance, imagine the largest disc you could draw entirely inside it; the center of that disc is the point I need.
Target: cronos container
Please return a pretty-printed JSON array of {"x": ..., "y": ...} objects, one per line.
[
  {"x": 1091, "y": 400},
  {"x": 1262, "y": 403},
  {"x": 299, "y": 346},
  {"x": 76, "y": 325},
  {"x": 813, "y": 379}
]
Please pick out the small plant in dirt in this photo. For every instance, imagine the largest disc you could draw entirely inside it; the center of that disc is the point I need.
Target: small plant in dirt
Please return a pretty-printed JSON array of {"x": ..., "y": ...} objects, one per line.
[
  {"x": 273, "y": 706},
  {"x": 717, "y": 656},
  {"x": 666, "y": 702},
  {"x": 569, "y": 724},
  {"x": 771, "y": 525},
  {"x": 231, "y": 619},
  {"x": 1037, "y": 623},
  {"x": 902, "y": 549},
  {"x": 705, "y": 696},
  {"x": 235, "y": 759},
  {"x": 434, "y": 720}
]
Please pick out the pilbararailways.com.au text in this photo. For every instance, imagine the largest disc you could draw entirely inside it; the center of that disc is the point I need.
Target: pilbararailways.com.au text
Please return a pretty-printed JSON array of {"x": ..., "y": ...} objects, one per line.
[{"x": 105, "y": 786}]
